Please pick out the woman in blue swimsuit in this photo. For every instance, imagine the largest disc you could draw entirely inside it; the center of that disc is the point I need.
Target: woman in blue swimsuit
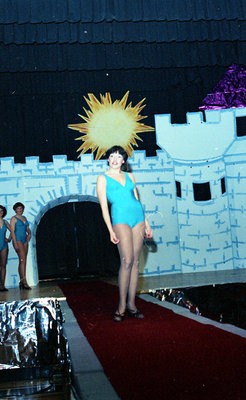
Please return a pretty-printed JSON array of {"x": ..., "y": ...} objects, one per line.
[
  {"x": 21, "y": 235},
  {"x": 127, "y": 226},
  {"x": 4, "y": 250}
]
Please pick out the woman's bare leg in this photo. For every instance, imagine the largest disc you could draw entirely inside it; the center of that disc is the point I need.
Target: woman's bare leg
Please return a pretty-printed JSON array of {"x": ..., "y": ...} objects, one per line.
[
  {"x": 4, "y": 256},
  {"x": 125, "y": 247},
  {"x": 138, "y": 236},
  {"x": 22, "y": 254}
]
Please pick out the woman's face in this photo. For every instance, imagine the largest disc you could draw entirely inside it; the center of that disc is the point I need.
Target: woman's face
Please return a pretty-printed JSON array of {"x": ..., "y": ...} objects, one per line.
[
  {"x": 115, "y": 160},
  {"x": 19, "y": 210},
  {"x": 1, "y": 212}
]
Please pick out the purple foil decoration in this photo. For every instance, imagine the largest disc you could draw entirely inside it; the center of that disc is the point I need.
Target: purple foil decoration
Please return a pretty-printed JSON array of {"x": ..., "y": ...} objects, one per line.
[{"x": 230, "y": 91}]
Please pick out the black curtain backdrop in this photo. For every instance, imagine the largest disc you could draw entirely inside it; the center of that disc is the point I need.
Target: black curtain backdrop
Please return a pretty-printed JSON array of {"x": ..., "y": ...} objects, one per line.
[
  {"x": 73, "y": 241},
  {"x": 41, "y": 105},
  {"x": 54, "y": 53}
]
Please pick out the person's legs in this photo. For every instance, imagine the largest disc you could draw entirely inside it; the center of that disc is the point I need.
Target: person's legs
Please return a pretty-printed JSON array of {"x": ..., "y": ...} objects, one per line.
[
  {"x": 22, "y": 259},
  {"x": 26, "y": 250},
  {"x": 4, "y": 256},
  {"x": 22, "y": 254},
  {"x": 125, "y": 247},
  {"x": 138, "y": 237}
]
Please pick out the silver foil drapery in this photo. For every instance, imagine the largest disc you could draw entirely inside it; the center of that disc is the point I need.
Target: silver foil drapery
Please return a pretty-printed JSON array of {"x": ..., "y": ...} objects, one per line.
[
  {"x": 175, "y": 296},
  {"x": 31, "y": 334}
]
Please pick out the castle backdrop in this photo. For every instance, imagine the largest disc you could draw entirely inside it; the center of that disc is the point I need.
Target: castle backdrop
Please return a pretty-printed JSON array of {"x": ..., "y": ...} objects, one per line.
[{"x": 193, "y": 192}]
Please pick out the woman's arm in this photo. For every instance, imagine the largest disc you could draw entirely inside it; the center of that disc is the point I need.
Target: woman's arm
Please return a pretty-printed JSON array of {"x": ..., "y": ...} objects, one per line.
[
  {"x": 148, "y": 230},
  {"x": 12, "y": 230},
  {"x": 28, "y": 234},
  {"x": 102, "y": 197}
]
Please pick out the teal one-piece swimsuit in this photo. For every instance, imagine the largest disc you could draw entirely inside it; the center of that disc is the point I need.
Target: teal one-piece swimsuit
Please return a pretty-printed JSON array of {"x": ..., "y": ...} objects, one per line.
[
  {"x": 125, "y": 208},
  {"x": 3, "y": 243},
  {"x": 21, "y": 230}
]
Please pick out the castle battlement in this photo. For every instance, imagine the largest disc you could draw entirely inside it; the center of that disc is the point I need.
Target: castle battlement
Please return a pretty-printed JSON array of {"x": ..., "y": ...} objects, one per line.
[
  {"x": 198, "y": 139},
  {"x": 87, "y": 165}
]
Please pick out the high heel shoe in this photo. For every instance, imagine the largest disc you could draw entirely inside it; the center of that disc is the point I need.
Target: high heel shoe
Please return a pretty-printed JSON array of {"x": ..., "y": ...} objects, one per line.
[
  {"x": 24, "y": 286},
  {"x": 118, "y": 317},
  {"x": 134, "y": 313}
]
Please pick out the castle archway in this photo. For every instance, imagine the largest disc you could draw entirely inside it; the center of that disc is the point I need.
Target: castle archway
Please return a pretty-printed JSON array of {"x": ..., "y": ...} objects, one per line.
[{"x": 71, "y": 240}]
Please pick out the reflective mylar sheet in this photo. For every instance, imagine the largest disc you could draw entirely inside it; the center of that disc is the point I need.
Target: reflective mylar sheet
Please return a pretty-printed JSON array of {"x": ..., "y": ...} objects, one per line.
[
  {"x": 31, "y": 333},
  {"x": 175, "y": 296}
]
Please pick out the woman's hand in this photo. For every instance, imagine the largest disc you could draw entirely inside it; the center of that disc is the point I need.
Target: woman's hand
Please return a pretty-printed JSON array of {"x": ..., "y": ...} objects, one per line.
[
  {"x": 114, "y": 238},
  {"x": 28, "y": 238},
  {"x": 148, "y": 232}
]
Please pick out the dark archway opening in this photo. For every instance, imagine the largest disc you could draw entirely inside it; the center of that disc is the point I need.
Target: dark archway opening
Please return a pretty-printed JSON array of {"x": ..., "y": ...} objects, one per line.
[{"x": 73, "y": 241}]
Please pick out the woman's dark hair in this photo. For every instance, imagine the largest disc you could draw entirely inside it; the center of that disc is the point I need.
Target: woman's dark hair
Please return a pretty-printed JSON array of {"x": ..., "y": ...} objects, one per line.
[
  {"x": 18, "y": 204},
  {"x": 117, "y": 149},
  {"x": 4, "y": 210}
]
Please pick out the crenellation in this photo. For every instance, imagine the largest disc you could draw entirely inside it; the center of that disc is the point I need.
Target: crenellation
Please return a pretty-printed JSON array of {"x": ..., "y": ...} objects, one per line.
[
  {"x": 195, "y": 118},
  {"x": 32, "y": 164},
  {"x": 212, "y": 116},
  {"x": 59, "y": 161},
  {"x": 7, "y": 164},
  {"x": 33, "y": 160}
]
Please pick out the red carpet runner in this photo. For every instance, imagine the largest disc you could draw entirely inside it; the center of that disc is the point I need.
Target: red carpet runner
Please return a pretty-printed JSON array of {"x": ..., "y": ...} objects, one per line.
[{"x": 163, "y": 356}]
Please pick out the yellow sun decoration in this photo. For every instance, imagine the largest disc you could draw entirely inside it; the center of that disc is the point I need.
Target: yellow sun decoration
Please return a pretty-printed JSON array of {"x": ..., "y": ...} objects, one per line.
[{"x": 108, "y": 124}]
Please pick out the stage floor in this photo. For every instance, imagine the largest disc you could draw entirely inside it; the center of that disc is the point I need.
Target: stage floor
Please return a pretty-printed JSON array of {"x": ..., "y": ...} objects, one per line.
[{"x": 194, "y": 279}]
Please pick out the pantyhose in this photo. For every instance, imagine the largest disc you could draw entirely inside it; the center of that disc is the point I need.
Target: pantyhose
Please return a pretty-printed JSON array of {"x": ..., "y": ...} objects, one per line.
[
  {"x": 4, "y": 256},
  {"x": 22, "y": 254},
  {"x": 131, "y": 240}
]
